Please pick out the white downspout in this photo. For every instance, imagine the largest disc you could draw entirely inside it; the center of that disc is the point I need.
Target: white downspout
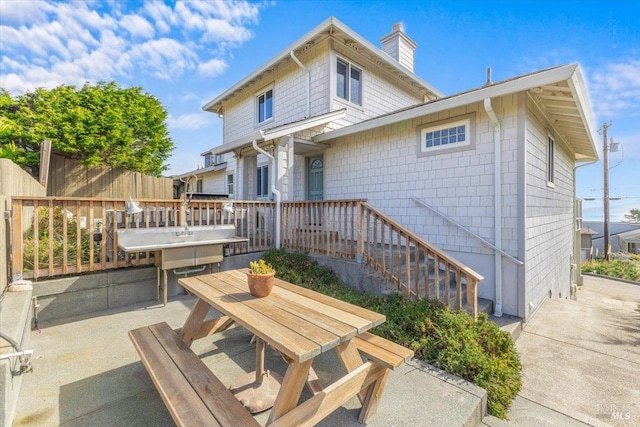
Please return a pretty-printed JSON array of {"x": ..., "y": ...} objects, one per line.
[
  {"x": 276, "y": 193},
  {"x": 297, "y": 61},
  {"x": 497, "y": 200}
]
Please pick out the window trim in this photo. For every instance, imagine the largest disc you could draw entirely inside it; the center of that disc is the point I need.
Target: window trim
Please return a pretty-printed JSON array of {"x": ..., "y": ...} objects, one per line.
[
  {"x": 230, "y": 193},
  {"x": 257, "y": 96},
  {"x": 260, "y": 175},
  {"x": 468, "y": 120},
  {"x": 551, "y": 161},
  {"x": 349, "y": 66}
]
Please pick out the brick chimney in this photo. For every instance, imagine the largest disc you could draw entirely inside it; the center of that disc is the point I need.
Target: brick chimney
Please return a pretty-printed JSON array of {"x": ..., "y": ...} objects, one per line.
[{"x": 399, "y": 46}]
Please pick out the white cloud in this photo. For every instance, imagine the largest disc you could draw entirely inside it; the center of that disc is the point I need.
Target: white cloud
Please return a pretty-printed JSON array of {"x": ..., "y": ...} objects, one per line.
[
  {"x": 615, "y": 89},
  {"x": 51, "y": 43},
  {"x": 212, "y": 68},
  {"x": 137, "y": 26},
  {"x": 192, "y": 121}
]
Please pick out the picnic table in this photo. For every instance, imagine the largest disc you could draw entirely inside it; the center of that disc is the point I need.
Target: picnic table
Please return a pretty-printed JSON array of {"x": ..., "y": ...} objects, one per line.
[{"x": 300, "y": 324}]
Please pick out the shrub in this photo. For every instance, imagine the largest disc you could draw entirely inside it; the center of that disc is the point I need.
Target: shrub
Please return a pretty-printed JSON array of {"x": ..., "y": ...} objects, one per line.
[
  {"x": 473, "y": 349},
  {"x": 627, "y": 268}
]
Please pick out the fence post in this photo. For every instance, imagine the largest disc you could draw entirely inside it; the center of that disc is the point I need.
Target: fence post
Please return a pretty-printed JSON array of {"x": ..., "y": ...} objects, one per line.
[{"x": 360, "y": 247}]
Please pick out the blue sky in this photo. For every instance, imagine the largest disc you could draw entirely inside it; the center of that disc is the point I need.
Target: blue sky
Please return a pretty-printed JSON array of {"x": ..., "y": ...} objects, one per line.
[{"x": 185, "y": 53}]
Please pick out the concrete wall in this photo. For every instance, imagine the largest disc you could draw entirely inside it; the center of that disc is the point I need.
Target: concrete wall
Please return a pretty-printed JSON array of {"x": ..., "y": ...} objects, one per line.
[
  {"x": 549, "y": 215},
  {"x": 15, "y": 308},
  {"x": 71, "y": 296},
  {"x": 15, "y": 320}
]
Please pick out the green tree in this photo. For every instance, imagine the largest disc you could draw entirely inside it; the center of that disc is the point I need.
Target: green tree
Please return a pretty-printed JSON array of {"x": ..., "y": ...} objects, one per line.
[
  {"x": 101, "y": 124},
  {"x": 633, "y": 216}
]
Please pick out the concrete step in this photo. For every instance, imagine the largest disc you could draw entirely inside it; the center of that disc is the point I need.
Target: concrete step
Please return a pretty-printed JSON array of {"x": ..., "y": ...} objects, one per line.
[{"x": 510, "y": 324}]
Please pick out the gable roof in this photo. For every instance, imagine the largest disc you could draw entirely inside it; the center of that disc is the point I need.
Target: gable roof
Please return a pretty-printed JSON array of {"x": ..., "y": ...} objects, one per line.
[
  {"x": 560, "y": 91},
  {"x": 331, "y": 27}
]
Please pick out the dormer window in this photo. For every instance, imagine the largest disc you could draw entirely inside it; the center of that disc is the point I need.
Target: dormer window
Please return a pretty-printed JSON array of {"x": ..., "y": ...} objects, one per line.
[
  {"x": 349, "y": 82},
  {"x": 265, "y": 106}
]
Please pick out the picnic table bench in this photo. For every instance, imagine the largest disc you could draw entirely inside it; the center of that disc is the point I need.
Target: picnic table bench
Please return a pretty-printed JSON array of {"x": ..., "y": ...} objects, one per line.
[{"x": 298, "y": 323}]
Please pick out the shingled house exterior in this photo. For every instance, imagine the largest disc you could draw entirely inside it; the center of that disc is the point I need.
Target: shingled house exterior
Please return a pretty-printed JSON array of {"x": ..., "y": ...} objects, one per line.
[{"x": 345, "y": 119}]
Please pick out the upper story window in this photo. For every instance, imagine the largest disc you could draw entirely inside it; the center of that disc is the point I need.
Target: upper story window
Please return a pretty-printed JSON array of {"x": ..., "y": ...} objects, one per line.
[
  {"x": 551, "y": 155},
  {"x": 265, "y": 106},
  {"x": 349, "y": 82},
  {"x": 445, "y": 136},
  {"x": 212, "y": 160},
  {"x": 263, "y": 181},
  {"x": 199, "y": 185}
]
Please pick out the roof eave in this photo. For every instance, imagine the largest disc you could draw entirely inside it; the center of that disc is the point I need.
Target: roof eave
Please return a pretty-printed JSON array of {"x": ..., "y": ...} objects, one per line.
[
  {"x": 214, "y": 105},
  {"x": 569, "y": 73}
]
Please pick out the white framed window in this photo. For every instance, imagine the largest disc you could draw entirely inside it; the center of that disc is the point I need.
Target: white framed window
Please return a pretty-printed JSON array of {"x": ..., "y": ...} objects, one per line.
[
  {"x": 451, "y": 135},
  {"x": 230, "y": 185},
  {"x": 348, "y": 82},
  {"x": 551, "y": 159},
  {"x": 263, "y": 181},
  {"x": 264, "y": 105},
  {"x": 199, "y": 185}
]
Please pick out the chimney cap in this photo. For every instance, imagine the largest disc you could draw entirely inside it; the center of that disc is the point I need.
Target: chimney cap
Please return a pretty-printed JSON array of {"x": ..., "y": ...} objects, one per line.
[{"x": 398, "y": 26}]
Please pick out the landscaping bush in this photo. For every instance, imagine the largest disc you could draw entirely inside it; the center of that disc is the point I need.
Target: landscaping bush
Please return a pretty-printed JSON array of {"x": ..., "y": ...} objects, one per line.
[
  {"x": 473, "y": 349},
  {"x": 623, "y": 267}
]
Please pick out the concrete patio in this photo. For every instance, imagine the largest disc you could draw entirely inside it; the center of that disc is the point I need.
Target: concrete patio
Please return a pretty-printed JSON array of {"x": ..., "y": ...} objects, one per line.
[{"x": 581, "y": 367}]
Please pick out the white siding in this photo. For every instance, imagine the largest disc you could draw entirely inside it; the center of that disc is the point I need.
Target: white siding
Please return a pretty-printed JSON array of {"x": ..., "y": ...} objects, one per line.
[
  {"x": 289, "y": 81},
  {"x": 549, "y": 215},
  {"x": 289, "y": 95},
  {"x": 382, "y": 166}
]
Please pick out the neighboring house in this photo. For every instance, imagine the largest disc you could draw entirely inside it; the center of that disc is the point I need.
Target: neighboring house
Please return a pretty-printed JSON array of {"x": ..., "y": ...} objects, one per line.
[
  {"x": 623, "y": 237},
  {"x": 344, "y": 119},
  {"x": 586, "y": 243},
  {"x": 210, "y": 182}
]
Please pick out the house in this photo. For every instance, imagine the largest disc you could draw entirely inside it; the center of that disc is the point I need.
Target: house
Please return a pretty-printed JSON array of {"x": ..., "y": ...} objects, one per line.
[
  {"x": 334, "y": 117},
  {"x": 623, "y": 237}
]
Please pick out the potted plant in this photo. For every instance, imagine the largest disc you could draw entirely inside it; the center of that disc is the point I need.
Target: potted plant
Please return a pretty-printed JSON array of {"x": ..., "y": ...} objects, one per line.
[{"x": 260, "y": 278}]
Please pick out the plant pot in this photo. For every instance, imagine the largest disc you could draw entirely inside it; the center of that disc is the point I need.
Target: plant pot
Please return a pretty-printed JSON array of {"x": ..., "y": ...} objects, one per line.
[{"x": 260, "y": 285}]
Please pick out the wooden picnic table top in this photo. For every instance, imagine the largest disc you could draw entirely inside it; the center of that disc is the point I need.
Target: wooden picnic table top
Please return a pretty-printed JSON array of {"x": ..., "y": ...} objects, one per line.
[{"x": 298, "y": 322}]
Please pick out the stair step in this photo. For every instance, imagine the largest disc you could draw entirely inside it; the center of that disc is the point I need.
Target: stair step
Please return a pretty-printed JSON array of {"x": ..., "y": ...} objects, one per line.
[{"x": 510, "y": 324}]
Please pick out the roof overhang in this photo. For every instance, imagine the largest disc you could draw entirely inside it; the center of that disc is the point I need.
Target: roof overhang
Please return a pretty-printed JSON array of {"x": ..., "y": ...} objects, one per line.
[
  {"x": 197, "y": 172},
  {"x": 335, "y": 29},
  {"x": 560, "y": 92},
  {"x": 280, "y": 131},
  {"x": 632, "y": 236}
]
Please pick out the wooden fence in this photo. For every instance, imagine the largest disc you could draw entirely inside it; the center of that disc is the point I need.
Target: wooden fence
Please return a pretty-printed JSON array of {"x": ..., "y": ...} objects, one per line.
[{"x": 70, "y": 178}]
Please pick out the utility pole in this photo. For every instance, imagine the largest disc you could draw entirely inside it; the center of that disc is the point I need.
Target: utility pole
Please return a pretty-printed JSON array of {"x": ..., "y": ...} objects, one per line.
[{"x": 605, "y": 155}]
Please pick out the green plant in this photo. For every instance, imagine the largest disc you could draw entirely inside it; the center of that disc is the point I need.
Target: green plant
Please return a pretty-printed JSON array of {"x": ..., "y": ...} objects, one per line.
[
  {"x": 261, "y": 267},
  {"x": 625, "y": 267},
  {"x": 473, "y": 349},
  {"x": 54, "y": 239}
]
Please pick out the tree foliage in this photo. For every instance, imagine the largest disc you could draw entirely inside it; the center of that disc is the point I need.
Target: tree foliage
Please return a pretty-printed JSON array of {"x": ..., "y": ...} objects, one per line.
[
  {"x": 633, "y": 216},
  {"x": 101, "y": 124}
]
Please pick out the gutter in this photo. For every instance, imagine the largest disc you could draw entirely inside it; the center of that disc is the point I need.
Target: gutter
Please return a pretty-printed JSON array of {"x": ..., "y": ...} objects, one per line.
[
  {"x": 297, "y": 61},
  {"x": 275, "y": 191},
  {"x": 497, "y": 200}
]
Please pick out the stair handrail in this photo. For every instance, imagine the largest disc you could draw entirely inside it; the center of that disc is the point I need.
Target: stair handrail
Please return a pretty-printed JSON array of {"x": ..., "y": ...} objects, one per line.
[
  {"x": 466, "y": 230},
  {"x": 419, "y": 240}
]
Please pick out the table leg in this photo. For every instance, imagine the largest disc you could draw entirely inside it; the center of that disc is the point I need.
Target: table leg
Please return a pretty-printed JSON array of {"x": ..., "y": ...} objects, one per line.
[
  {"x": 351, "y": 360},
  {"x": 372, "y": 398},
  {"x": 194, "y": 321},
  {"x": 165, "y": 290},
  {"x": 292, "y": 384}
]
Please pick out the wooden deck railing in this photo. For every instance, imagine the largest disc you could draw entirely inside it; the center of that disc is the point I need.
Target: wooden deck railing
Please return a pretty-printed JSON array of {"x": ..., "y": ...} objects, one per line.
[
  {"x": 354, "y": 229},
  {"x": 58, "y": 236},
  {"x": 54, "y": 236}
]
